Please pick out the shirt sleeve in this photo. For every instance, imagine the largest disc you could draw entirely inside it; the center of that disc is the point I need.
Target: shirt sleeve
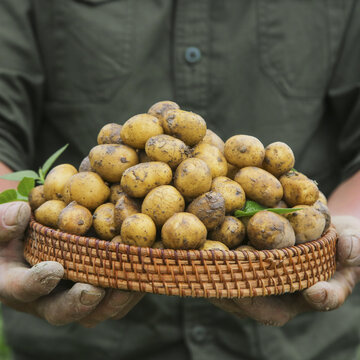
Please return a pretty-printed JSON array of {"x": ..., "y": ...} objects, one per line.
[
  {"x": 21, "y": 83},
  {"x": 344, "y": 96}
]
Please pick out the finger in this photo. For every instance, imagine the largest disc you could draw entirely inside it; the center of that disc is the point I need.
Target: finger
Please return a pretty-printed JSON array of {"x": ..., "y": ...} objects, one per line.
[
  {"x": 229, "y": 306},
  {"x": 70, "y": 305},
  {"x": 17, "y": 282},
  {"x": 348, "y": 248},
  {"x": 116, "y": 304},
  {"x": 14, "y": 218}
]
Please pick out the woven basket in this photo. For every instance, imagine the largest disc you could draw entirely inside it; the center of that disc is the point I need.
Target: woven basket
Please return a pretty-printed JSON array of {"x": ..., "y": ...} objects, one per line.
[{"x": 214, "y": 273}]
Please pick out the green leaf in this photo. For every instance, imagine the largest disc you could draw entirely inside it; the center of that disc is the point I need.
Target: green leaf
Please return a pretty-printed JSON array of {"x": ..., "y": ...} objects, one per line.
[
  {"x": 8, "y": 196},
  {"x": 25, "y": 186},
  {"x": 50, "y": 161},
  {"x": 252, "y": 207},
  {"x": 19, "y": 175}
]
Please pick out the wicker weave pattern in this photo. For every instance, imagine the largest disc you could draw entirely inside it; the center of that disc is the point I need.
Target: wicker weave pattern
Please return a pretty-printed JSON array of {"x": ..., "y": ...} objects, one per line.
[{"x": 216, "y": 273}]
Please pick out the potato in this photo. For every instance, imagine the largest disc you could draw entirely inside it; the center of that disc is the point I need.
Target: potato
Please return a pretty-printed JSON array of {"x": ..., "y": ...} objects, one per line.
[
  {"x": 183, "y": 231},
  {"x": 124, "y": 207},
  {"x": 110, "y": 161},
  {"x": 260, "y": 186},
  {"x": 245, "y": 248},
  {"x": 167, "y": 149},
  {"x": 140, "y": 179},
  {"x": 160, "y": 109},
  {"x": 75, "y": 219},
  {"x": 267, "y": 230},
  {"x": 88, "y": 189},
  {"x": 110, "y": 134},
  {"x": 281, "y": 205},
  {"x": 185, "y": 125},
  {"x": 212, "y": 139},
  {"x": 137, "y": 130},
  {"x": 322, "y": 198},
  {"x": 85, "y": 165},
  {"x": 143, "y": 157},
  {"x": 162, "y": 202},
  {"x": 56, "y": 180},
  {"x": 192, "y": 178},
  {"x": 308, "y": 223},
  {"x": 116, "y": 239},
  {"x": 321, "y": 207},
  {"x": 213, "y": 245},
  {"x": 36, "y": 197},
  {"x": 158, "y": 245},
  {"x": 232, "y": 170},
  {"x": 138, "y": 230},
  {"x": 213, "y": 157},
  {"x": 48, "y": 213},
  {"x": 298, "y": 189},
  {"x": 209, "y": 208},
  {"x": 104, "y": 221},
  {"x": 244, "y": 150},
  {"x": 116, "y": 191},
  {"x": 231, "y": 191},
  {"x": 279, "y": 159},
  {"x": 231, "y": 232}
]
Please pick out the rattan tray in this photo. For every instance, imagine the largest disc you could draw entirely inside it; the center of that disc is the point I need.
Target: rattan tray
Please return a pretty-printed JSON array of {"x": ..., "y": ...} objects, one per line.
[{"x": 215, "y": 273}]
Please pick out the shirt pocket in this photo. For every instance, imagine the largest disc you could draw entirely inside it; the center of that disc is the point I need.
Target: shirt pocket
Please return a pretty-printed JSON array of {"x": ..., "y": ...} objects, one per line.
[
  {"x": 293, "y": 40},
  {"x": 91, "y": 49}
]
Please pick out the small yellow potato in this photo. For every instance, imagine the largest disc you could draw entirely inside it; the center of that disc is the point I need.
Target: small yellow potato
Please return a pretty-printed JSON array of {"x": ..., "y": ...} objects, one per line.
[
  {"x": 322, "y": 198},
  {"x": 143, "y": 157},
  {"x": 162, "y": 202},
  {"x": 75, "y": 219},
  {"x": 104, "y": 222},
  {"x": 244, "y": 150},
  {"x": 56, "y": 180},
  {"x": 140, "y": 179},
  {"x": 192, "y": 178},
  {"x": 213, "y": 245},
  {"x": 308, "y": 223},
  {"x": 116, "y": 191},
  {"x": 160, "y": 109},
  {"x": 138, "y": 230},
  {"x": 88, "y": 189},
  {"x": 48, "y": 213},
  {"x": 138, "y": 129},
  {"x": 124, "y": 207},
  {"x": 213, "y": 157},
  {"x": 281, "y": 205},
  {"x": 117, "y": 239},
  {"x": 36, "y": 197},
  {"x": 231, "y": 232},
  {"x": 158, "y": 245},
  {"x": 279, "y": 159},
  {"x": 111, "y": 160},
  {"x": 183, "y": 231},
  {"x": 321, "y": 207},
  {"x": 232, "y": 170},
  {"x": 185, "y": 125},
  {"x": 267, "y": 230},
  {"x": 245, "y": 247},
  {"x": 167, "y": 149},
  {"x": 213, "y": 139},
  {"x": 298, "y": 189},
  {"x": 259, "y": 185},
  {"x": 209, "y": 208},
  {"x": 85, "y": 165},
  {"x": 232, "y": 192},
  {"x": 110, "y": 134}
]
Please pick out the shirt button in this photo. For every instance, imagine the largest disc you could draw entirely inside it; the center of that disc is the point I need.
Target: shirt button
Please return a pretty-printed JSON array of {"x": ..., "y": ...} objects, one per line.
[
  {"x": 199, "y": 333},
  {"x": 192, "y": 54}
]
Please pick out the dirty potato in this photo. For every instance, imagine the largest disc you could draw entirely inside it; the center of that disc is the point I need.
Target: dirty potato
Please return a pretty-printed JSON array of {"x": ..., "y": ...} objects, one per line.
[
  {"x": 85, "y": 165},
  {"x": 104, "y": 221},
  {"x": 212, "y": 139},
  {"x": 232, "y": 170},
  {"x": 48, "y": 213},
  {"x": 322, "y": 198},
  {"x": 36, "y": 197},
  {"x": 320, "y": 206},
  {"x": 143, "y": 157},
  {"x": 160, "y": 109},
  {"x": 158, "y": 245},
  {"x": 245, "y": 248},
  {"x": 138, "y": 230},
  {"x": 116, "y": 192},
  {"x": 279, "y": 159},
  {"x": 124, "y": 207},
  {"x": 213, "y": 245},
  {"x": 110, "y": 134}
]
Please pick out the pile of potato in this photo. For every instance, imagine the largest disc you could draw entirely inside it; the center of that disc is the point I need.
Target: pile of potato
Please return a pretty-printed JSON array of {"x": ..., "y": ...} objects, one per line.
[{"x": 164, "y": 180}]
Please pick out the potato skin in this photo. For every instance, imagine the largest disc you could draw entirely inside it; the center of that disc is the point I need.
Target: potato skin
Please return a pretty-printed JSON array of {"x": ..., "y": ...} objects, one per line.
[
  {"x": 183, "y": 231},
  {"x": 213, "y": 245},
  {"x": 104, "y": 221},
  {"x": 259, "y": 185},
  {"x": 213, "y": 157},
  {"x": 85, "y": 165},
  {"x": 124, "y": 207},
  {"x": 245, "y": 248},
  {"x": 160, "y": 109},
  {"x": 140, "y": 179},
  {"x": 307, "y": 223},
  {"x": 75, "y": 219},
  {"x": 111, "y": 160},
  {"x": 321, "y": 207},
  {"x": 267, "y": 230},
  {"x": 209, "y": 208},
  {"x": 138, "y": 230},
  {"x": 213, "y": 139},
  {"x": 185, "y": 125},
  {"x": 162, "y": 202},
  {"x": 110, "y": 134},
  {"x": 232, "y": 192},
  {"x": 48, "y": 213},
  {"x": 298, "y": 189},
  {"x": 36, "y": 197},
  {"x": 138, "y": 129},
  {"x": 116, "y": 191},
  {"x": 322, "y": 198},
  {"x": 279, "y": 159},
  {"x": 232, "y": 170},
  {"x": 143, "y": 157},
  {"x": 192, "y": 178},
  {"x": 231, "y": 232},
  {"x": 167, "y": 149},
  {"x": 244, "y": 150}
]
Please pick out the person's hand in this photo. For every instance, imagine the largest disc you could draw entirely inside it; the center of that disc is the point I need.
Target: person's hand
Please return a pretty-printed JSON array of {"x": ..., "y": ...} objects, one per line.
[
  {"x": 31, "y": 289},
  {"x": 323, "y": 296}
]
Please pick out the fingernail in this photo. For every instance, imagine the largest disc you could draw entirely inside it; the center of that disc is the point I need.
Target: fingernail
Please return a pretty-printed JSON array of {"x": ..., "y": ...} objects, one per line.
[
  {"x": 317, "y": 296},
  {"x": 89, "y": 298},
  {"x": 354, "y": 249},
  {"x": 12, "y": 213},
  {"x": 50, "y": 282}
]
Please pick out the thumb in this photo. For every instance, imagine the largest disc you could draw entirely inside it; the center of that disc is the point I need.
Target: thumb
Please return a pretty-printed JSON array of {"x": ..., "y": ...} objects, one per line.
[{"x": 14, "y": 218}]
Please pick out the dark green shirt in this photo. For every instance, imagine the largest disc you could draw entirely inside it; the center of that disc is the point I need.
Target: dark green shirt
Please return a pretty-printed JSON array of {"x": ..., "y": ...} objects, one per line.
[{"x": 282, "y": 70}]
